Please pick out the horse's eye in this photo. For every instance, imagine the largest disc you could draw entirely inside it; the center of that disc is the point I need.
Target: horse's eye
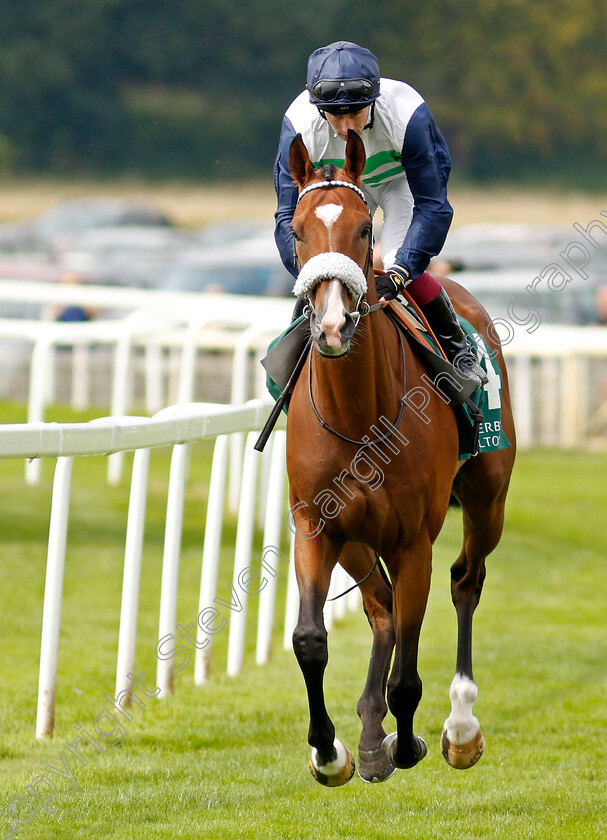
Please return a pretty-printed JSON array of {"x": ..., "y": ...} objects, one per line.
[
  {"x": 295, "y": 236},
  {"x": 366, "y": 232}
]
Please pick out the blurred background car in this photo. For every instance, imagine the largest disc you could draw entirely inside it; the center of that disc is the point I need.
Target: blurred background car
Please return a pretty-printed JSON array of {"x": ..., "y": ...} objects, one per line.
[
  {"x": 56, "y": 229},
  {"x": 231, "y": 230},
  {"x": 249, "y": 265},
  {"x": 498, "y": 263},
  {"x": 124, "y": 256},
  {"x": 25, "y": 258},
  {"x": 62, "y": 223},
  {"x": 103, "y": 240},
  {"x": 504, "y": 295},
  {"x": 487, "y": 247},
  {"x": 114, "y": 242}
]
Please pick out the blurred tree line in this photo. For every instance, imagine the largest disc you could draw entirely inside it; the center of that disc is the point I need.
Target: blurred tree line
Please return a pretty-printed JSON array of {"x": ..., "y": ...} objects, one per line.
[{"x": 197, "y": 88}]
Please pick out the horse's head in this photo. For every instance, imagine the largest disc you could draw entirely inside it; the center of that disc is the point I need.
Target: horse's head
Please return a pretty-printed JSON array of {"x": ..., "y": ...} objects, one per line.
[{"x": 333, "y": 239}]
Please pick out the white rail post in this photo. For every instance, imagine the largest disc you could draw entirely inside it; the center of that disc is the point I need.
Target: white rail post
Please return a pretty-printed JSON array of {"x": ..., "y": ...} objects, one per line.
[
  {"x": 210, "y": 554},
  {"x": 522, "y": 402},
  {"x": 37, "y": 396},
  {"x": 549, "y": 385},
  {"x": 238, "y": 395},
  {"x": 260, "y": 386},
  {"x": 120, "y": 387},
  {"x": 154, "y": 399},
  {"x": 343, "y": 582},
  {"x": 174, "y": 374},
  {"x": 242, "y": 554},
  {"x": 271, "y": 540},
  {"x": 573, "y": 401},
  {"x": 50, "y": 373},
  {"x": 170, "y": 563},
  {"x": 329, "y": 607},
  {"x": 80, "y": 376},
  {"x": 186, "y": 382},
  {"x": 53, "y": 593},
  {"x": 187, "y": 367},
  {"x": 354, "y": 598},
  {"x": 127, "y": 636}
]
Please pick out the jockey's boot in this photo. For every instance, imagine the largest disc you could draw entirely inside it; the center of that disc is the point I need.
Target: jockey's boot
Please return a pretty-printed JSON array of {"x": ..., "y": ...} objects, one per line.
[
  {"x": 443, "y": 320},
  {"x": 298, "y": 309}
]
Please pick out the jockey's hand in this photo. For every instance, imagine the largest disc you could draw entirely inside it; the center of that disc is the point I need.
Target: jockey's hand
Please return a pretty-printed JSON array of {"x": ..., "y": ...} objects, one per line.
[{"x": 388, "y": 285}]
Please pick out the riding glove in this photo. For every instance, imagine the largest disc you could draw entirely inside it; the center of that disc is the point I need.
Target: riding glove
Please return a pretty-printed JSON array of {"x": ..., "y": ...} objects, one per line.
[{"x": 390, "y": 284}]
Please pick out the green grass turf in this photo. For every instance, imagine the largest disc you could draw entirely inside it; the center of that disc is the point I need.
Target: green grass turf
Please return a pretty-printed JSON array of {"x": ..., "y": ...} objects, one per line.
[{"x": 229, "y": 760}]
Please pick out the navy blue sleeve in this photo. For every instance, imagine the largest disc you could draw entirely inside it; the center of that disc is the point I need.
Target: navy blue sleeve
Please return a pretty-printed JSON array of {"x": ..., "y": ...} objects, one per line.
[
  {"x": 286, "y": 194},
  {"x": 427, "y": 164}
]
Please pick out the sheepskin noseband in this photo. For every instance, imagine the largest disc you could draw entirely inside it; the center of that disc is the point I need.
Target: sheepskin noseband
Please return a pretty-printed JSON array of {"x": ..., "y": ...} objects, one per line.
[{"x": 331, "y": 266}]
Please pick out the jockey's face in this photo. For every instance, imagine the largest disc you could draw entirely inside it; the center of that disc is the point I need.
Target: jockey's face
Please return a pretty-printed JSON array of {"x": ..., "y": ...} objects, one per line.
[{"x": 340, "y": 123}]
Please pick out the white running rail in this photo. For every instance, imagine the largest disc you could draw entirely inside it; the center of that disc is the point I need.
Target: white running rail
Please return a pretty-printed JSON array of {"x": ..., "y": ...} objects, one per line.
[{"x": 177, "y": 426}]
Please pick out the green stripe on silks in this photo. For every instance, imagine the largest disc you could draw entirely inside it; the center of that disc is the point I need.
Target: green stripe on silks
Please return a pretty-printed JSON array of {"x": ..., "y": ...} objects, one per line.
[
  {"x": 478, "y": 413},
  {"x": 372, "y": 176}
]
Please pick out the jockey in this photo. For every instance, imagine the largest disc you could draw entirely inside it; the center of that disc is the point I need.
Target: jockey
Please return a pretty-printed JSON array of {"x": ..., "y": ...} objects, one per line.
[{"x": 406, "y": 175}]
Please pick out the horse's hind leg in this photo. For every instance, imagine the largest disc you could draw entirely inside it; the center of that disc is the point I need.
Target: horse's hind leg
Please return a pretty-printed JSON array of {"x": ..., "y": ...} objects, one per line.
[
  {"x": 482, "y": 493},
  {"x": 331, "y": 763},
  {"x": 373, "y": 764}
]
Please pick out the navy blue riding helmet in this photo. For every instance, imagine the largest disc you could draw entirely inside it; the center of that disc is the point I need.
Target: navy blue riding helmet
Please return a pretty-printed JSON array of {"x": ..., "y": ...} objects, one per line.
[{"x": 342, "y": 78}]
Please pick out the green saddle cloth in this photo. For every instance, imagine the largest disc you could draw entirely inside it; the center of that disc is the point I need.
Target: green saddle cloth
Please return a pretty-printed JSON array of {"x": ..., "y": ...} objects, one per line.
[
  {"x": 479, "y": 415},
  {"x": 484, "y": 434},
  {"x": 282, "y": 356}
]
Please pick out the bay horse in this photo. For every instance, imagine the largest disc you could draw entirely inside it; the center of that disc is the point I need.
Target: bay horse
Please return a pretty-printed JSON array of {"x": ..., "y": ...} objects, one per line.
[{"x": 372, "y": 476}]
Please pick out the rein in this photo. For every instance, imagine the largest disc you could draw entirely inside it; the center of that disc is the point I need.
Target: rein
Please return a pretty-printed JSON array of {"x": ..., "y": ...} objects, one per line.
[
  {"x": 358, "y": 582},
  {"x": 393, "y": 427}
]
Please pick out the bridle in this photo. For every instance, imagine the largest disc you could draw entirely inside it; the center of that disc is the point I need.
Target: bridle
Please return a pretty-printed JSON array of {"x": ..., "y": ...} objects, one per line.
[
  {"x": 319, "y": 185},
  {"x": 362, "y": 310},
  {"x": 362, "y": 307}
]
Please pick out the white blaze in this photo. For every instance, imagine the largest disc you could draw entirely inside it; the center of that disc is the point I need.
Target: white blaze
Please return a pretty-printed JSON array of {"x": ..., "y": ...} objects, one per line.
[
  {"x": 329, "y": 214},
  {"x": 333, "y": 319}
]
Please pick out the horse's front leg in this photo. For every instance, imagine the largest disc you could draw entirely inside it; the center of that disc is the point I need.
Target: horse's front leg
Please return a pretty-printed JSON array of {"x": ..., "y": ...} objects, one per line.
[
  {"x": 373, "y": 764},
  {"x": 410, "y": 572},
  {"x": 331, "y": 763}
]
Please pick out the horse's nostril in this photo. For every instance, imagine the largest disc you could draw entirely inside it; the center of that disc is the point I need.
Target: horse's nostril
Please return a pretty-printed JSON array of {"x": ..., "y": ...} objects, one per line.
[{"x": 348, "y": 326}]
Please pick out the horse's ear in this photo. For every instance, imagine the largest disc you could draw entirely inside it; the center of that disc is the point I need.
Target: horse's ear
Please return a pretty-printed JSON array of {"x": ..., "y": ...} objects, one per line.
[
  {"x": 299, "y": 161},
  {"x": 356, "y": 156}
]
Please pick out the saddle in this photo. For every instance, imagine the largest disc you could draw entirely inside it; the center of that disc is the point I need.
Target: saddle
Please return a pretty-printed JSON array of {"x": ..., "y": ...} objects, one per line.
[{"x": 478, "y": 421}]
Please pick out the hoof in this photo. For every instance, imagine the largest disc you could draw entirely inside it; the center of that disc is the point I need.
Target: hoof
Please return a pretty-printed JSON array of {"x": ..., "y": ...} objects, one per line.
[
  {"x": 337, "y": 772},
  {"x": 465, "y": 755},
  {"x": 389, "y": 747},
  {"x": 374, "y": 765}
]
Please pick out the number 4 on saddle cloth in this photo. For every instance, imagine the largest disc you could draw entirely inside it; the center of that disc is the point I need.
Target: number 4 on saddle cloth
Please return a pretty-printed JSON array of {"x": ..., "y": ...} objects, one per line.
[{"x": 478, "y": 412}]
